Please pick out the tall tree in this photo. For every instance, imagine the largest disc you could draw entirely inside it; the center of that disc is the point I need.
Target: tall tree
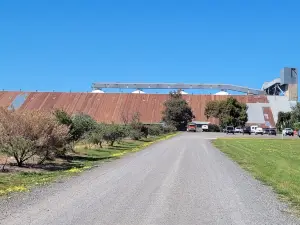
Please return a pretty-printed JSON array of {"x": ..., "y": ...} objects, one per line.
[
  {"x": 284, "y": 120},
  {"x": 229, "y": 112},
  {"x": 289, "y": 119},
  {"x": 177, "y": 111}
]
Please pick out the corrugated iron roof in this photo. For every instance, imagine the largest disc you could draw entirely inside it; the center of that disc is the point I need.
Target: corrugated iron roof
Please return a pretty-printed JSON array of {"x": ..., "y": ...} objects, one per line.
[{"x": 112, "y": 107}]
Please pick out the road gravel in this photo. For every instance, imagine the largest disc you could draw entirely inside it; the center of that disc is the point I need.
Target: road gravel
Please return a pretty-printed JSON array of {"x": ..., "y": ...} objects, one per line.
[{"x": 183, "y": 180}]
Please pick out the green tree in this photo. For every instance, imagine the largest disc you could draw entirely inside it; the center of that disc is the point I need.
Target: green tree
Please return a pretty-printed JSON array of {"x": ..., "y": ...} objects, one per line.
[
  {"x": 229, "y": 112},
  {"x": 81, "y": 124},
  {"x": 113, "y": 133},
  {"x": 289, "y": 119},
  {"x": 96, "y": 136},
  {"x": 63, "y": 117},
  {"x": 295, "y": 113},
  {"x": 177, "y": 111},
  {"x": 284, "y": 120}
]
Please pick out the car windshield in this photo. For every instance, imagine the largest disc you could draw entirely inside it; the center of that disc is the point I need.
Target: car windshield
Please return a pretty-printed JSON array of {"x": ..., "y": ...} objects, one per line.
[{"x": 229, "y": 128}]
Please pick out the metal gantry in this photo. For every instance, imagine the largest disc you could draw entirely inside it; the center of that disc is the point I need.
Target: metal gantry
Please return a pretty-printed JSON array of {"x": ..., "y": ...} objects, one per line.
[{"x": 182, "y": 86}]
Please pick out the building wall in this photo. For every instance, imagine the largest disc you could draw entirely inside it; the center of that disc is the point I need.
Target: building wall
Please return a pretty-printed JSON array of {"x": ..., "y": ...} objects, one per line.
[{"x": 111, "y": 107}]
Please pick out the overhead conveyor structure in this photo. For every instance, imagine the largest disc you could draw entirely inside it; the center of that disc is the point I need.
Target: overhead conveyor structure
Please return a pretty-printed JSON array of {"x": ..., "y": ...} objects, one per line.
[
  {"x": 286, "y": 84},
  {"x": 184, "y": 86}
]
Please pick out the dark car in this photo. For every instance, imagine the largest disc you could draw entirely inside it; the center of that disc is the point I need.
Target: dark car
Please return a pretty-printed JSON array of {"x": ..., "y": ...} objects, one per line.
[
  {"x": 266, "y": 130},
  {"x": 229, "y": 129},
  {"x": 247, "y": 130},
  {"x": 272, "y": 132}
]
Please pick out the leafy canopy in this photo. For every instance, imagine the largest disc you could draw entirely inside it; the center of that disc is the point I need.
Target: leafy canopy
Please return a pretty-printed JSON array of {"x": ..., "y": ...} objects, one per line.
[
  {"x": 229, "y": 112},
  {"x": 289, "y": 119},
  {"x": 177, "y": 112}
]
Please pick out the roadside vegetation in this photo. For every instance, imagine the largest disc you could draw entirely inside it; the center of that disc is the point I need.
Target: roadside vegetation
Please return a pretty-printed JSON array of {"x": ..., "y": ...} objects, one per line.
[
  {"x": 275, "y": 162},
  {"x": 38, "y": 147},
  {"x": 177, "y": 111},
  {"x": 289, "y": 119},
  {"x": 229, "y": 112}
]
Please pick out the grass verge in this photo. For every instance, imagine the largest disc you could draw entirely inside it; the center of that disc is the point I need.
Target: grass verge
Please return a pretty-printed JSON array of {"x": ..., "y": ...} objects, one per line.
[
  {"x": 274, "y": 162},
  {"x": 83, "y": 159}
]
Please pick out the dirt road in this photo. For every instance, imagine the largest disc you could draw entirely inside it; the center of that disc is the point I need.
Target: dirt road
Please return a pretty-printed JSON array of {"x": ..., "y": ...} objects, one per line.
[{"x": 181, "y": 181}]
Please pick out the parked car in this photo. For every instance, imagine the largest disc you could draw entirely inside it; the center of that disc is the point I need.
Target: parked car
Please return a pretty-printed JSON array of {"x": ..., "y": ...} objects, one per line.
[
  {"x": 266, "y": 130},
  {"x": 287, "y": 132},
  {"x": 247, "y": 130},
  {"x": 191, "y": 127},
  {"x": 272, "y": 132},
  {"x": 229, "y": 129},
  {"x": 238, "y": 130},
  {"x": 253, "y": 128},
  {"x": 298, "y": 133},
  {"x": 205, "y": 128},
  {"x": 259, "y": 130}
]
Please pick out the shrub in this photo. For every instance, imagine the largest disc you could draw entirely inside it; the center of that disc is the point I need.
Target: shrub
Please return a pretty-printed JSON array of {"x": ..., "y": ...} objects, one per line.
[
  {"x": 96, "y": 136},
  {"x": 213, "y": 128},
  {"x": 113, "y": 133},
  {"x": 136, "y": 134},
  {"x": 81, "y": 124},
  {"x": 155, "y": 130},
  {"x": 63, "y": 117},
  {"x": 27, "y": 134},
  {"x": 169, "y": 129},
  {"x": 137, "y": 130}
]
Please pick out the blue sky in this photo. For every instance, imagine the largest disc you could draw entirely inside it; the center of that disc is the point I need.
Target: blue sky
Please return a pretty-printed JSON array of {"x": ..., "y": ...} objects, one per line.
[{"x": 66, "y": 45}]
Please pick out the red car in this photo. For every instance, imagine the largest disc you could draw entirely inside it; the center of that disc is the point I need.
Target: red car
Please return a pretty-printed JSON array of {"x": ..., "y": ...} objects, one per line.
[{"x": 192, "y": 127}]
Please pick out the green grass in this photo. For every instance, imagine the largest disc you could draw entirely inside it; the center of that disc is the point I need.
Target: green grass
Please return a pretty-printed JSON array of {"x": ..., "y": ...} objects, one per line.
[
  {"x": 274, "y": 162},
  {"x": 83, "y": 159}
]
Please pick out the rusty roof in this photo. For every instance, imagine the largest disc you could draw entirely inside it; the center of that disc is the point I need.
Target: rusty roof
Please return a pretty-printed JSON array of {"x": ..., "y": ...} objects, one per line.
[{"x": 111, "y": 107}]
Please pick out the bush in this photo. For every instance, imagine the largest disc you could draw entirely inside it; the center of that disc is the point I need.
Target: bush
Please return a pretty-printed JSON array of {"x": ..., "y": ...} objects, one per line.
[
  {"x": 155, "y": 130},
  {"x": 213, "y": 128},
  {"x": 169, "y": 129},
  {"x": 63, "y": 117},
  {"x": 96, "y": 136},
  {"x": 27, "y": 134},
  {"x": 81, "y": 124},
  {"x": 113, "y": 133},
  {"x": 136, "y": 134},
  {"x": 137, "y": 130}
]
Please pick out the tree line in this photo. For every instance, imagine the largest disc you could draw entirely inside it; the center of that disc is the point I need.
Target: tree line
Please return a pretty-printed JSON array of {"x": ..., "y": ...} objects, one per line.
[
  {"x": 289, "y": 119},
  {"x": 44, "y": 136},
  {"x": 229, "y": 112},
  {"x": 25, "y": 135}
]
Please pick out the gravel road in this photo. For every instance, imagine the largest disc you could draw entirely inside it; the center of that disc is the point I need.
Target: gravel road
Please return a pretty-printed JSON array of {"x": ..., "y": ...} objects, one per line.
[{"x": 183, "y": 180}]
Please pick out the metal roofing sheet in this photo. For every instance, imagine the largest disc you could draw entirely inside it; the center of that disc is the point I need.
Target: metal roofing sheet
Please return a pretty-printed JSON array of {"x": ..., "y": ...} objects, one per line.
[{"x": 111, "y": 107}]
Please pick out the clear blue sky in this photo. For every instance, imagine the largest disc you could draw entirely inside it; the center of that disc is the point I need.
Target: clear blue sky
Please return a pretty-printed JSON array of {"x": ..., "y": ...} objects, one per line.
[{"x": 61, "y": 45}]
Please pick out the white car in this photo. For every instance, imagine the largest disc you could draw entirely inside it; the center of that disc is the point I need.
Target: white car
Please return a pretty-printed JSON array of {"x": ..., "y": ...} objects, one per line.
[
  {"x": 287, "y": 132},
  {"x": 259, "y": 130},
  {"x": 238, "y": 130}
]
